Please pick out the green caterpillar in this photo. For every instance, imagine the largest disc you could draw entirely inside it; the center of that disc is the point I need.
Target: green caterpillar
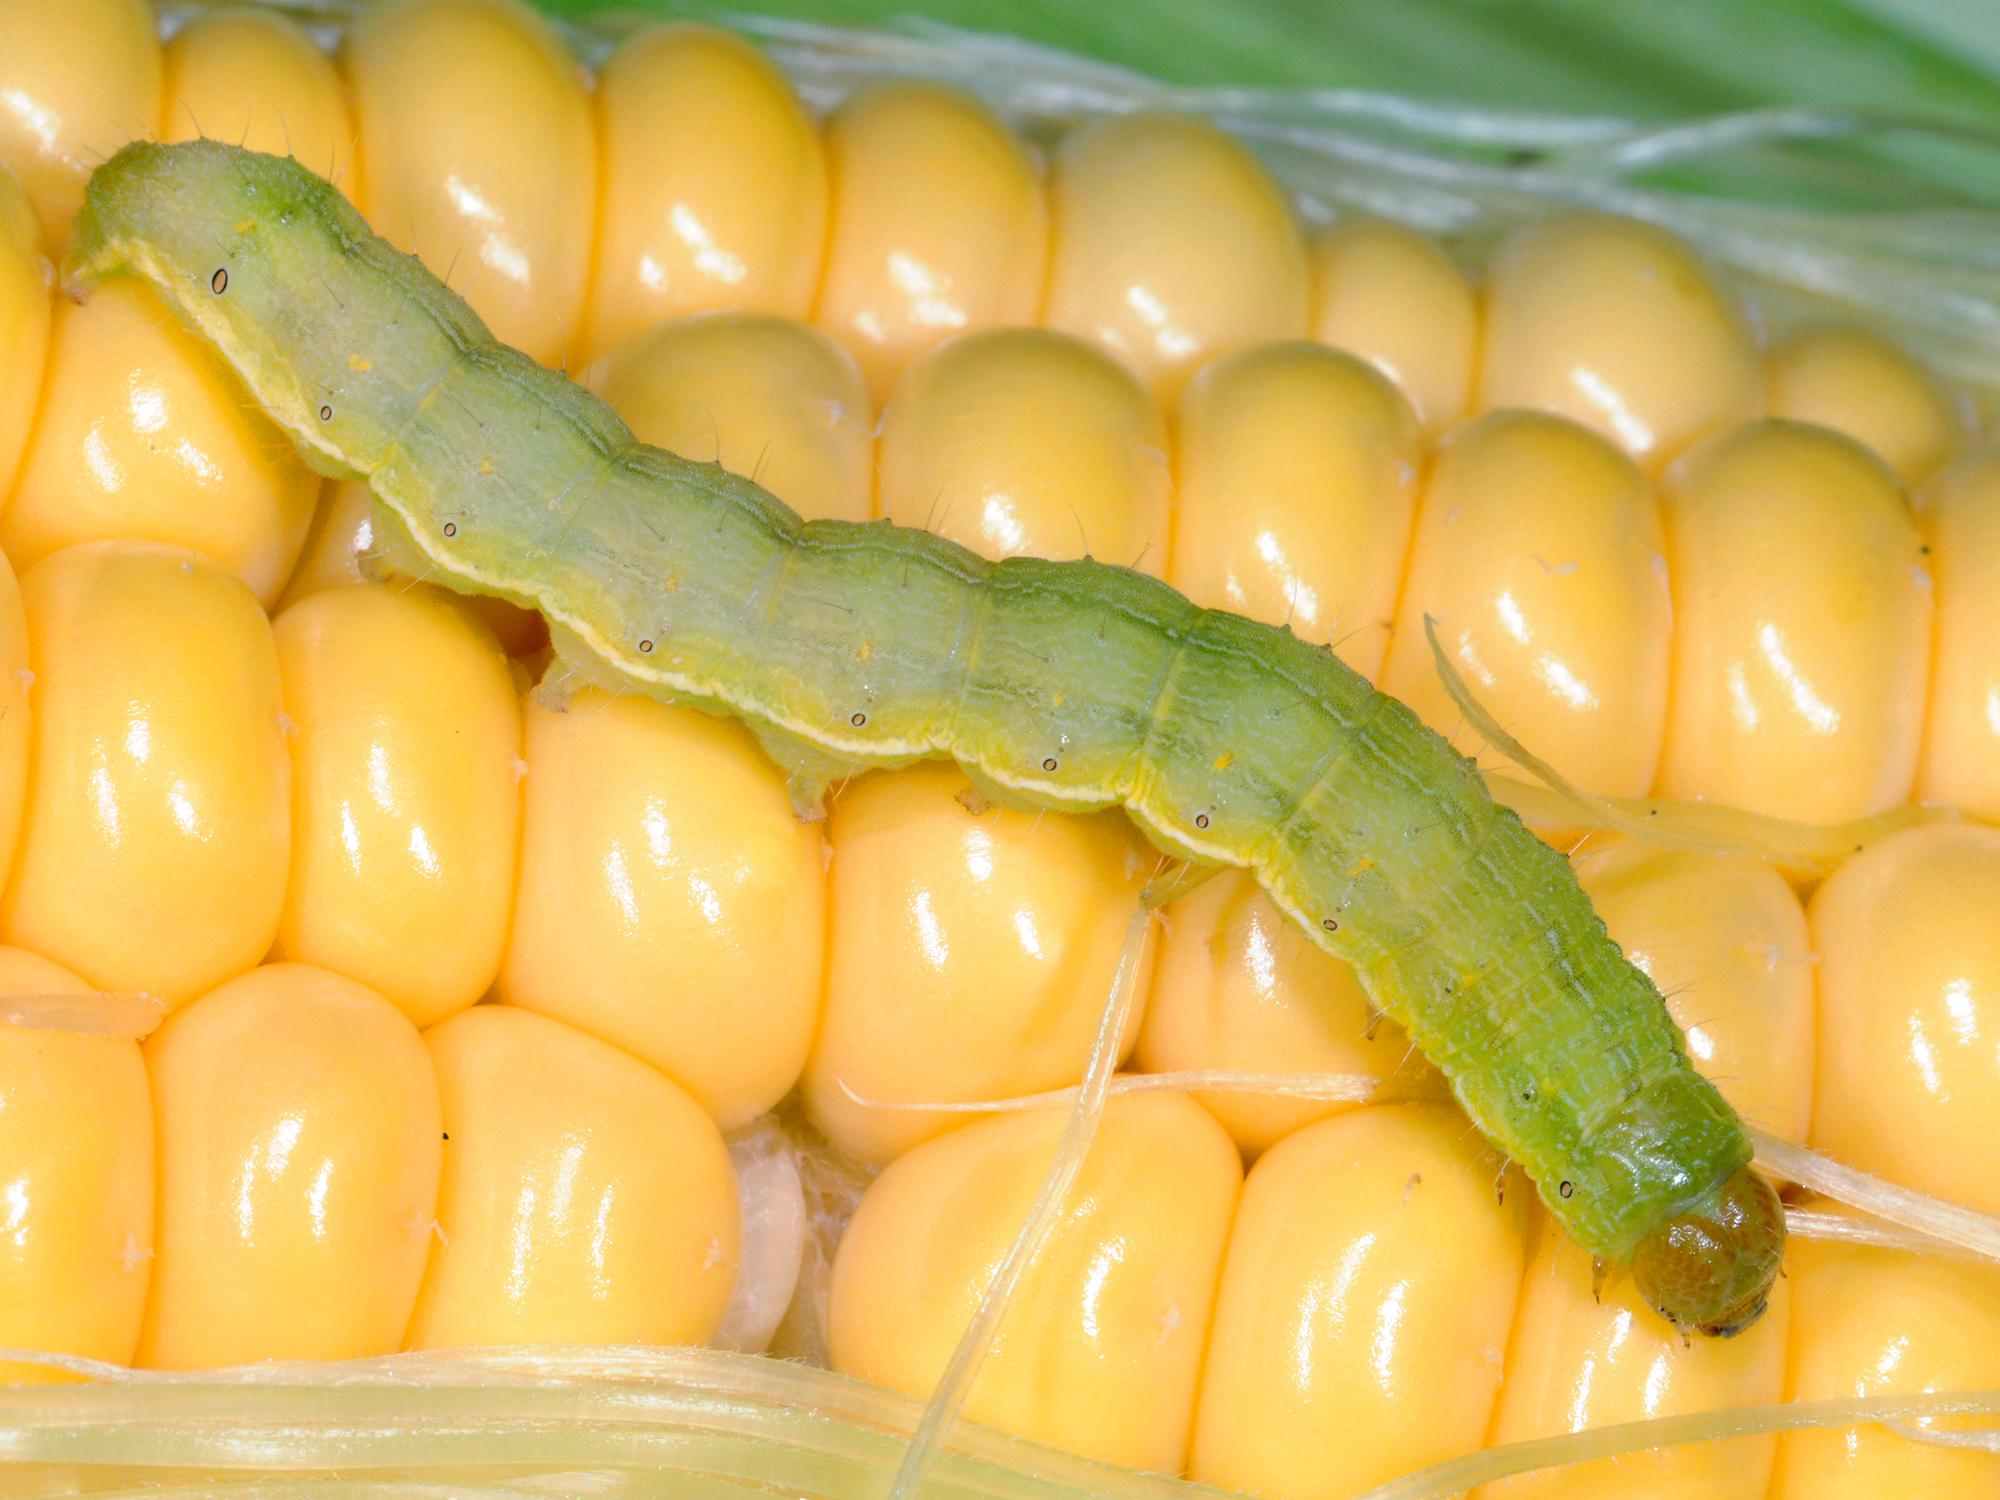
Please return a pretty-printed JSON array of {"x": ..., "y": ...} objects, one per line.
[{"x": 1076, "y": 685}]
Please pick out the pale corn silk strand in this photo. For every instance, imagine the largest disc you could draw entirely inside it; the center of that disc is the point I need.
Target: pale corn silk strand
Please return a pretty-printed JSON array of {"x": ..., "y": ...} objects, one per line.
[
  {"x": 628, "y": 1420},
  {"x": 1806, "y": 850},
  {"x": 1901, "y": 1218},
  {"x": 134, "y": 1017},
  {"x": 1086, "y": 1111}
]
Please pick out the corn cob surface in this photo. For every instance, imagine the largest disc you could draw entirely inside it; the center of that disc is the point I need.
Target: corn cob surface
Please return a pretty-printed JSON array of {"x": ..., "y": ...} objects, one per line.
[{"x": 320, "y": 815}]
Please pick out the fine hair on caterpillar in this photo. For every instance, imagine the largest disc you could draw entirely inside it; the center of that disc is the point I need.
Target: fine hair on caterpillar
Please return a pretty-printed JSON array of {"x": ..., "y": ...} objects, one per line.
[{"x": 1070, "y": 685}]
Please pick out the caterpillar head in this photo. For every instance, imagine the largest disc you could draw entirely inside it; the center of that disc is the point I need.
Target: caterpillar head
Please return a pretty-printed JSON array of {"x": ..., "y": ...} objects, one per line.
[{"x": 1710, "y": 1267}]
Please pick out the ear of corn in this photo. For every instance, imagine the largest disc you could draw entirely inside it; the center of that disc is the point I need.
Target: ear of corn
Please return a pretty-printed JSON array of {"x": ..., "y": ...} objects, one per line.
[{"x": 310, "y": 834}]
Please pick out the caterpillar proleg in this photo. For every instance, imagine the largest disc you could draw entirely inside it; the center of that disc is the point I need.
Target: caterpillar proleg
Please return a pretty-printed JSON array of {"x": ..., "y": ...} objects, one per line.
[{"x": 1073, "y": 685}]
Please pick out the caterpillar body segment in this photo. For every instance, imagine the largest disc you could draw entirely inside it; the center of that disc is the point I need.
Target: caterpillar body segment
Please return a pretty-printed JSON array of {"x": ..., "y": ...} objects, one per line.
[{"x": 1075, "y": 685}]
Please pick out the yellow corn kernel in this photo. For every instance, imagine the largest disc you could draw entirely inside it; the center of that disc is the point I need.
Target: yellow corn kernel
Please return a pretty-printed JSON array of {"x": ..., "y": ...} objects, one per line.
[
  {"x": 1959, "y": 514},
  {"x": 339, "y": 550},
  {"x": 15, "y": 680},
  {"x": 1801, "y": 627},
  {"x": 1909, "y": 1005},
  {"x": 476, "y": 153},
  {"x": 145, "y": 435},
  {"x": 1018, "y": 441},
  {"x": 25, "y": 278},
  {"x": 154, "y": 848},
  {"x": 76, "y": 1133},
  {"x": 1864, "y": 386},
  {"x": 1100, "y": 1349},
  {"x": 1872, "y": 1322},
  {"x": 342, "y": 534},
  {"x": 714, "y": 188},
  {"x": 1364, "y": 1309},
  {"x": 1724, "y": 938},
  {"x": 668, "y": 900},
  {"x": 406, "y": 801},
  {"x": 938, "y": 226},
  {"x": 78, "y": 79},
  {"x": 1396, "y": 299},
  {"x": 1538, "y": 552},
  {"x": 1617, "y": 325},
  {"x": 299, "y": 1142},
  {"x": 972, "y": 953},
  {"x": 1171, "y": 244},
  {"x": 1298, "y": 471},
  {"x": 1586, "y": 1355},
  {"x": 253, "y": 77},
  {"x": 766, "y": 397},
  {"x": 585, "y": 1200},
  {"x": 1238, "y": 986}
]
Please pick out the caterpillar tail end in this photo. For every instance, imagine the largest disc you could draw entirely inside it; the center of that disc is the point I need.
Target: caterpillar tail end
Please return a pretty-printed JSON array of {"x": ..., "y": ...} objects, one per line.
[{"x": 1711, "y": 1267}]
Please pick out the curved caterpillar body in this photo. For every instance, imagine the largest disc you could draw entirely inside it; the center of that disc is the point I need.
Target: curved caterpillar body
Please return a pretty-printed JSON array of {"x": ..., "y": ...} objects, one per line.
[{"x": 1077, "y": 685}]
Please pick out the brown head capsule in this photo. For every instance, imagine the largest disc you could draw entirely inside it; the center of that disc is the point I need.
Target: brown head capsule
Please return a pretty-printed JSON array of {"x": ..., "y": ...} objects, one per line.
[{"x": 1711, "y": 1267}]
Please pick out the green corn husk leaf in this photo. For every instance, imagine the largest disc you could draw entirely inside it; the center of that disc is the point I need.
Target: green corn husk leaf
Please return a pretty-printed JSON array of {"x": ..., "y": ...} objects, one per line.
[{"x": 1613, "y": 60}]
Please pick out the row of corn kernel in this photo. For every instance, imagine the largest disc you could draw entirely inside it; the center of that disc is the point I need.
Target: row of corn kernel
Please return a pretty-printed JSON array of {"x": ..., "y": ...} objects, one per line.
[
  {"x": 969, "y": 947},
  {"x": 1378, "y": 1305},
  {"x": 288, "y": 1170},
  {"x": 1541, "y": 441},
  {"x": 1808, "y": 701},
  {"x": 1364, "y": 1304}
]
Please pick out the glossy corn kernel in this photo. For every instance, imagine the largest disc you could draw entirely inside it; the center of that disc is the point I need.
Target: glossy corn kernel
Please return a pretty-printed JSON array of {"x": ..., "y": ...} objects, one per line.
[
  {"x": 299, "y": 1143},
  {"x": 16, "y": 677},
  {"x": 1364, "y": 1310},
  {"x": 26, "y": 276},
  {"x": 78, "y": 79},
  {"x": 1024, "y": 441},
  {"x": 1801, "y": 627},
  {"x": 1959, "y": 515},
  {"x": 1864, "y": 386},
  {"x": 714, "y": 185},
  {"x": 338, "y": 542},
  {"x": 766, "y": 397},
  {"x": 1538, "y": 554},
  {"x": 1298, "y": 470},
  {"x": 155, "y": 844},
  {"x": 76, "y": 1134},
  {"x": 1398, "y": 300},
  {"x": 1870, "y": 1322},
  {"x": 972, "y": 953},
  {"x": 1237, "y": 986},
  {"x": 406, "y": 743},
  {"x": 1724, "y": 939},
  {"x": 145, "y": 435},
  {"x": 1588, "y": 1352},
  {"x": 938, "y": 226},
  {"x": 1615, "y": 324},
  {"x": 1909, "y": 997},
  {"x": 255, "y": 78},
  {"x": 1171, "y": 245},
  {"x": 585, "y": 1199},
  {"x": 1100, "y": 1349},
  {"x": 477, "y": 155},
  {"x": 658, "y": 848}
]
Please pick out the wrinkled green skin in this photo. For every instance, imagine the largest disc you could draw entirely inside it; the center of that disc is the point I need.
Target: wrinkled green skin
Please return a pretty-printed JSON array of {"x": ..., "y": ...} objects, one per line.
[{"x": 1073, "y": 685}]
